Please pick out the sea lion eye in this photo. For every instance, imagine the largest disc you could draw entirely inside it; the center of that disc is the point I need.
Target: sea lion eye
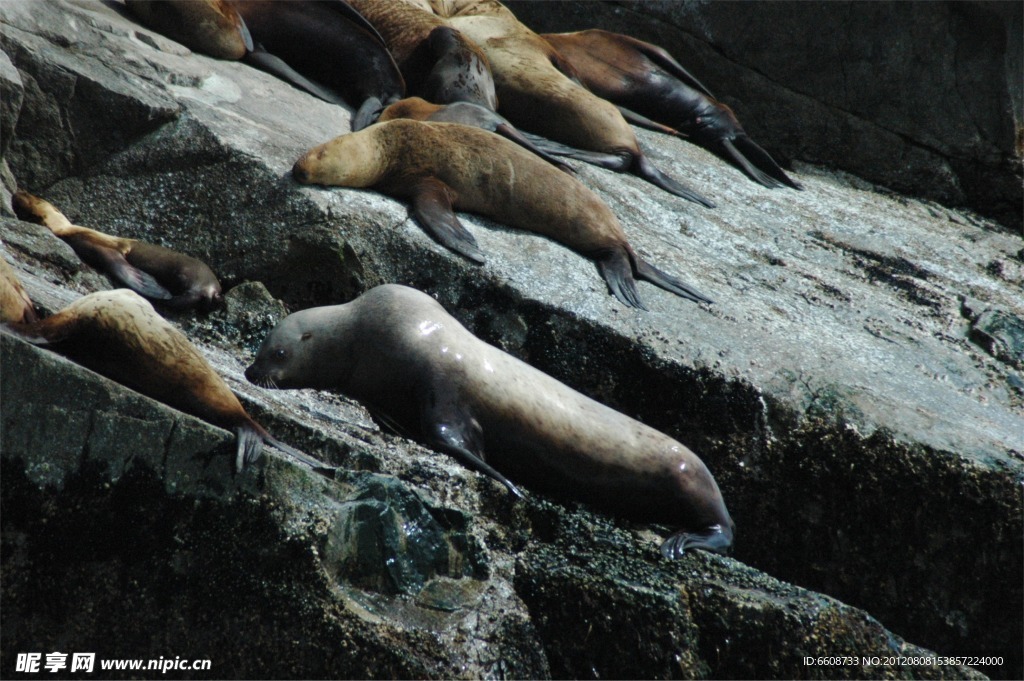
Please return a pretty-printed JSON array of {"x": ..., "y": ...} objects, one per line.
[
  {"x": 280, "y": 353},
  {"x": 307, "y": 335}
]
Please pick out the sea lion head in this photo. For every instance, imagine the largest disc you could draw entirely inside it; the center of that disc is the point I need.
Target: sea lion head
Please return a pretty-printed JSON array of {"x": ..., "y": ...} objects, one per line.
[
  {"x": 307, "y": 349},
  {"x": 353, "y": 160}
]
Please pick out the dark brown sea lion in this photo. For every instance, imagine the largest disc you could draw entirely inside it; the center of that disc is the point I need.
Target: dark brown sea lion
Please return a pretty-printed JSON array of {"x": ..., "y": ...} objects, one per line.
[
  {"x": 15, "y": 305},
  {"x": 438, "y": 63},
  {"x": 212, "y": 27},
  {"x": 465, "y": 113},
  {"x": 397, "y": 351},
  {"x": 537, "y": 92},
  {"x": 172, "y": 279},
  {"x": 644, "y": 79},
  {"x": 119, "y": 335},
  {"x": 443, "y": 166}
]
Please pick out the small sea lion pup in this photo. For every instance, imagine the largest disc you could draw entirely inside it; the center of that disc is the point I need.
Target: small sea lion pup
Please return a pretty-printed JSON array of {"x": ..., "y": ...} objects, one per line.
[
  {"x": 397, "y": 351},
  {"x": 15, "y": 305},
  {"x": 537, "y": 92},
  {"x": 119, "y": 335},
  {"x": 465, "y": 113},
  {"x": 644, "y": 79},
  {"x": 438, "y": 63},
  {"x": 444, "y": 166},
  {"x": 172, "y": 279}
]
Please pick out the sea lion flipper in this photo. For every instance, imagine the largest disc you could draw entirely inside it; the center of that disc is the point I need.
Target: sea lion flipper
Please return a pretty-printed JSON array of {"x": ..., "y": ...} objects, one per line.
[
  {"x": 368, "y": 112},
  {"x": 249, "y": 446},
  {"x": 506, "y": 129},
  {"x": 644, "y": 122},
  {"x": 713, "y": 539},
  {"x": 243, "y": 31},
  {"x": 471, "y": 460},
  {"x": 648, "y": 272},
  {"x": 643, "y": 168},
  {"x": 749, "y": 152},
  {"x": 618, "y": 274},
  {"x": 275, "y": 66},
  {"x": 296, "y": 454},
  {"x": 130, "y": 276},
  {"x": 432, "y": 207}
]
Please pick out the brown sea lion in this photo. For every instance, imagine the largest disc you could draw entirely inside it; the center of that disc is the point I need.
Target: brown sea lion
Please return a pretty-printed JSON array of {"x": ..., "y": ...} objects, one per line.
[
  {"x": 644, "y": 79},
  {"x": 172, "y": 279},
  {"x": 119, "y": 335},
  {"x": 212, "y": 27},
  {"x": 15, "y": 305},
  {"x": 438, "y": 63},
  {"x": 443, "y": 166},
  {"x": 465, "y": 113},
  {"x": 537, "y": 92},
  {"x": 397, "y": 351}
]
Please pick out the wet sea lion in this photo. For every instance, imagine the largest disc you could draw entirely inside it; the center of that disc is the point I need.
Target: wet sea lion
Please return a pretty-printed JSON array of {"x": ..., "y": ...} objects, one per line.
[
  {"x": 465, "y": 113},
  {"x": 537, "y": 92},
  {"x": 444, "y": 166},
  {"x": 397, "y": 351},
  {"x": 15, "y": 305},
  {"x": 644, "y": 79},
  {"x": 172, "y": 279},
  {"x": 119, "y": 335},
  {"x": 438, "y": 63}
]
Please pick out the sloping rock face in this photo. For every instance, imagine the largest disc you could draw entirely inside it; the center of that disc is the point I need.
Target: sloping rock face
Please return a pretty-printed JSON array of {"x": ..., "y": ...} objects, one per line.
[
  {"x": 924, "y": 98},
  {"x": 856, "y": 391}
]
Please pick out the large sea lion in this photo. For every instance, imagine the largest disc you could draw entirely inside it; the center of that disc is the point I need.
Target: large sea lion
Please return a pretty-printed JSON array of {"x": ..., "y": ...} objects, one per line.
[
  {"x": 119, "y": 335},
  {"x": 438, "y": 62},
  {"x": 465, "y": 113},
  {"x": 645, "y": 79},
  {"x": 398, "y": 352},
  {"x": 537, "y": 95},
  {"x": 443, "y": 166},
  {"x": 173, "y": 279},
  {"x": 212, "y": 27},
  {"x": 15, "y": 305}
]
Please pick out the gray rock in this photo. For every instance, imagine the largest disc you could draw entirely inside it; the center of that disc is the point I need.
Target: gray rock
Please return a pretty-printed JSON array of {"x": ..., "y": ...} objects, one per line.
[{"x": 867, "y": 447}]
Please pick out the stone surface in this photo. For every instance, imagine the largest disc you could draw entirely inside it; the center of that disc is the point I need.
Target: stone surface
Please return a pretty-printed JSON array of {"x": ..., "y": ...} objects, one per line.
[
  {"x": 869, "y": 445},
  {"x": 924, "y": 98}
]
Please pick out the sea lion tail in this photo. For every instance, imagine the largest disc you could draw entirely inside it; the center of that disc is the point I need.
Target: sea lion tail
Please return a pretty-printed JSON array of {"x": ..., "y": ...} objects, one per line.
[
  {"x": 646, "y": 170},
  {"x": 757, "y": 163},
  {"x": 617, "y": 272},
  {"x": 648, "y": 272},
  {"x": 716, "y": 539}
]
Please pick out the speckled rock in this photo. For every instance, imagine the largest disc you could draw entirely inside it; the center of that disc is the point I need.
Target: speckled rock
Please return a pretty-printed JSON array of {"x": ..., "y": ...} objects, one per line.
[{"x": 867, "y": 445}]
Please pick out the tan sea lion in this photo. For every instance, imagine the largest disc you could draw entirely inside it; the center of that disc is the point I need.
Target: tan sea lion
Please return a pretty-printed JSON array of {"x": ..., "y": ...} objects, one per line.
[
  {"x": 537, "y": 92},
  {"x": 173, "y": 279},
  {"x": 438, "y": 63},
  {"x": 443, "y": 166},
  {"x": 397, "y": 351},
  {"x": 465, "y": 113},
  {"x": 119, "y": 335},
  {"x": 647, "y": 83},
  {"x": 15, "y": 305}
]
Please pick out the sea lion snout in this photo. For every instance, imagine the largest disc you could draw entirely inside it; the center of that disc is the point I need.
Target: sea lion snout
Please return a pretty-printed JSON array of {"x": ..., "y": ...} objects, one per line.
[{"x": 300, "y": 172}]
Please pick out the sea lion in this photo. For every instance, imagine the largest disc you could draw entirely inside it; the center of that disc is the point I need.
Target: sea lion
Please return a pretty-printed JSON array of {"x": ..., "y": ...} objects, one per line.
[
  {"x": 443, "y": 166},
  {"x": 397, "y": 351},
  {"x": 172, "y": 279},
  {"x": 438, "y": 63},
  {"x": 538, "y": 93},
  {"x": 465, "y": 113},
  {"x": 644, "y": 79},
  {"x": 15, "y": 305},
  {"x": 119, "y": 335},
  {"x": 212, "y": 27}
]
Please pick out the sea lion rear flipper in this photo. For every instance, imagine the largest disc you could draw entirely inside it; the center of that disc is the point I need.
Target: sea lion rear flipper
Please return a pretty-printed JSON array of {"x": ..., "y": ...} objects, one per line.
[
  {"x": 275, "y": 66},
  {"x": 648, "y": 272},
  {"x": 507, "y": 130},
  {"x": 432, "y": 203},
  {"x": 296, "y": 454},
  {"x": 127, "y": 274},
  {"x": 644, "y": 122},
  {"x": 618, "y": 274},
  {"x": 757, "y": 162},
  {"x": 646, "y": 170},
  {"x": 713, "y": 539},
  {"x": 616, "y": 162}
]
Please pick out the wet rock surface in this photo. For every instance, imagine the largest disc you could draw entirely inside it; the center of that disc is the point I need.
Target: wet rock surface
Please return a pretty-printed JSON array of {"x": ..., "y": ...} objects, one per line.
[{"x": 856, "y": 391}]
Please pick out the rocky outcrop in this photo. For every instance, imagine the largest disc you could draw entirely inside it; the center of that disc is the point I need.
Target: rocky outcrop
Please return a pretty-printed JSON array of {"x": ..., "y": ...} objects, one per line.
[
  {"x": 855, "y": 390},
  {"x": 923, "y": 98}
]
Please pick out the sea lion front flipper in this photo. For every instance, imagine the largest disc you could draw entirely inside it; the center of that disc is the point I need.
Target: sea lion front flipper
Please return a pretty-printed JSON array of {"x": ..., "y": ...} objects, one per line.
[
  {"x": 757, "y": 162},
  {"x": 662, "y": 58},
  {"x": 648, "y": 272},
  {"x": 644, "y": 122},
  {"x": 296, "y": 454},
  {"x": 249, "y": 446},
  {"x": 646, "y": 170},
  {"x": 713, "y": 539},
  {"x": 127, "y": 274},
  {"x": 432, "y": 203},
  {"x": 367, "y": 114},
  {"x": 275, "y": 66},
  {"x": 618, "y": 274},
  {"x": 616, "y": 162},
  {"x": 507, "y": 130}
]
